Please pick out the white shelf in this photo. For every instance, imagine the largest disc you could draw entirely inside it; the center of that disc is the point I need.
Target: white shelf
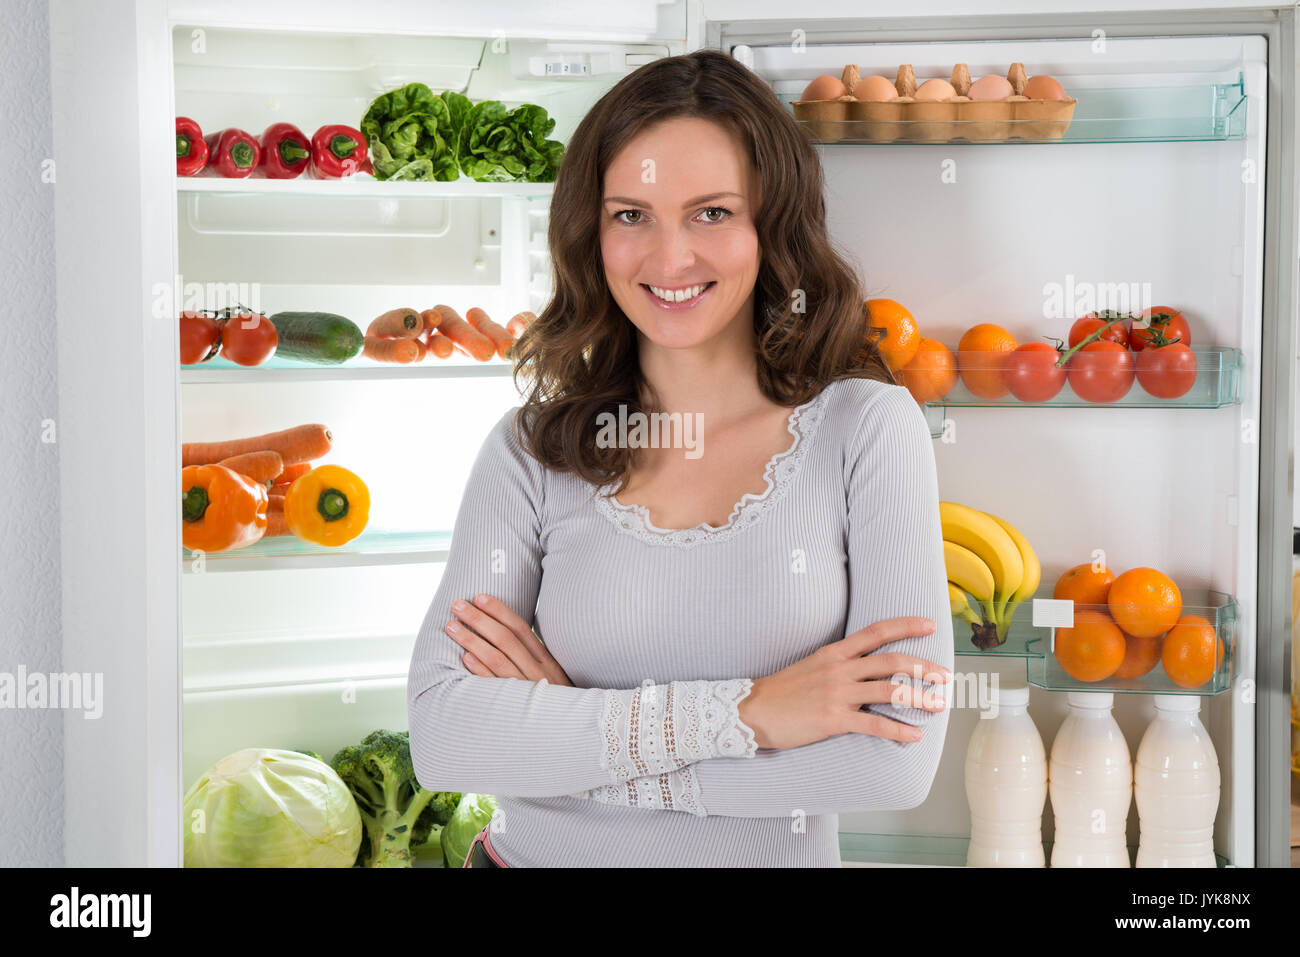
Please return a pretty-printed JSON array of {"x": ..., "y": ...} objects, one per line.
[{"x": 361, "y": 185}]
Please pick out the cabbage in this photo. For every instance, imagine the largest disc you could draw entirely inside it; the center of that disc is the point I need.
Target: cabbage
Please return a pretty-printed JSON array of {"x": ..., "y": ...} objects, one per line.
[
  {"x": 265, "y": 807},
  {"x": 471, "y": 816}
]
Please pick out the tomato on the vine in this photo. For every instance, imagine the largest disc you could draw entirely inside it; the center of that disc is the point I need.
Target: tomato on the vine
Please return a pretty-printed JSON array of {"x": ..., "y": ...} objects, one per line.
[
  {"x": 1087, "y": 325},
  {"x": 1167, "y": 372},
  {"x": 200, "y": 338},
  {"x": 1031, "y": 372},
  {"x": 1159, "y": 321},
  {"x": 248, "y": 338},
  {"x": 1101, "y": 371}
]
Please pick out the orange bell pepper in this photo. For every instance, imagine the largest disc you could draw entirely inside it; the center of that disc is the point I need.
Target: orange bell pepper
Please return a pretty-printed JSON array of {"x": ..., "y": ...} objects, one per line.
[{"x": 220, "y": 509}]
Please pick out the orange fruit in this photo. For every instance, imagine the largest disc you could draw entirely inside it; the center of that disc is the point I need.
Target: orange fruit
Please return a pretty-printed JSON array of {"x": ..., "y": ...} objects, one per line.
[
  {"x": 1093, "y": 649},
  {"x": 1189, "y": 655},
  {"x": 981, "y": 355},
  {"x": 932, "y": 372},
  {"x": 1084, "y": 585},
  {"x": 901, "y": 337},
  {"x": 1144, "y": 602},
  {"x": 1140, "y": 656}
]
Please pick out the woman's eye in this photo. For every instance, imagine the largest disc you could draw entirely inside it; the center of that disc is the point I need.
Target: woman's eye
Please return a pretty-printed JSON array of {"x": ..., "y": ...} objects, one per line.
[
  {"x": 717, "y": 209},
  {"x": 623, "y": 211}
]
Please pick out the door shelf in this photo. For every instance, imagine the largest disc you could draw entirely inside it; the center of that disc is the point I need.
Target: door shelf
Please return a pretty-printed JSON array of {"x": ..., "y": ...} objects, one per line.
[
  {"x": 928, "y": 850},
  {"x": 1149, "y": 114},
  {"x": 219, "y": 370},
  {"x": 289, "y": 551},
  {"x": 361, "y": 184},
  {"x": 1042, "y": 670}
]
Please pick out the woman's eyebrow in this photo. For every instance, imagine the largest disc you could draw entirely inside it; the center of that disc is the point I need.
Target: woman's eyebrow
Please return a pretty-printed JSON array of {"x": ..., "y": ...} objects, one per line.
[{"x": 690, "y": 202}]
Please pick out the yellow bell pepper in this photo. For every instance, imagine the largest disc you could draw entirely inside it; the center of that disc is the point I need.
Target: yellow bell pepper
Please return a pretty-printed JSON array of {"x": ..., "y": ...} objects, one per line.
[{"x": 329, "y": 506}]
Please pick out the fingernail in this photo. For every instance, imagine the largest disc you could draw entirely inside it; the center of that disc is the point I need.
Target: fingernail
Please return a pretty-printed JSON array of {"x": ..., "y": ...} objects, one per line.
[
  {"x": 458, "y": 605},
  {"x": 480, "y": 599},
  {"x": 453, "y": 626},
  {"x": 915, "y": 734}
]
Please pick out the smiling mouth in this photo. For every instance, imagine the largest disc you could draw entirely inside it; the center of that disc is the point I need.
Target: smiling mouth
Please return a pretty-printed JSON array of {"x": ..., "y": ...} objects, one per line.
[{"x": 702, "y": 287}]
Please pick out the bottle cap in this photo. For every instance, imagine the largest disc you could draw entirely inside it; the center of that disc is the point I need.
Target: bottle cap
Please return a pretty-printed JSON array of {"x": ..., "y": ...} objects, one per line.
[
  {"x": 1011, "y": 694},
  {"x": 1099, "y": 700},
  {"x": 1178, "y": 702}
]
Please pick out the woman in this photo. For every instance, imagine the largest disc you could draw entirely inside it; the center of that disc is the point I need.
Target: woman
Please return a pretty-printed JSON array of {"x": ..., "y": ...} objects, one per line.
[{"x": 721, "y": 619}]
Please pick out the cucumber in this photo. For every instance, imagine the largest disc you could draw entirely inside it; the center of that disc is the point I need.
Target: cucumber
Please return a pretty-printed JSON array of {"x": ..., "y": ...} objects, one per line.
[{"x": 320, "y": 337}]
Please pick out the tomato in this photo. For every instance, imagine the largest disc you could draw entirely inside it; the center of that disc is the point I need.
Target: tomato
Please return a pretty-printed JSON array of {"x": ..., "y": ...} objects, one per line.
[
  {"x": 200, "y": 338},
  {"x": 248, "y": 338},
  {"x": 1031, "y": 372},
  {"x": 1166, "y": 320},
  {"x": 1166, "y": 371},
  {"x": 1101, "y": 371},
  {"x": 1090, "y": 323}
]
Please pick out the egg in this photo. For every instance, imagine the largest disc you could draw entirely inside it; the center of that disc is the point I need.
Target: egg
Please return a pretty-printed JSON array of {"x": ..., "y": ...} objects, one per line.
[
  {"x": 825, "y": 87},
  {"x": 990, "y": 88},
  {"x": 874, "y": 89},
  {"x": 1044, "y": 88},
  {"x": 935, "y": 90}
]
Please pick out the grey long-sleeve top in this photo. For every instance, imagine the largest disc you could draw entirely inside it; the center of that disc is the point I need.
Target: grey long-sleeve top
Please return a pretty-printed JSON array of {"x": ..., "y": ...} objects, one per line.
[{"x": 644, "y": 762}]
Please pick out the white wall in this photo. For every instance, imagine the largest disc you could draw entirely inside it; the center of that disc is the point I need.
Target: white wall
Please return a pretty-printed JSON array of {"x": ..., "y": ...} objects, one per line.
[{"x": 31, "y": 741}]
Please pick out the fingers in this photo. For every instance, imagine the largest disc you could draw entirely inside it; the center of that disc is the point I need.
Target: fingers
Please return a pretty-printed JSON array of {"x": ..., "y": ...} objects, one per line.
[
  {"x": 898, "y": 693},
  {"x": 865, "y": 722},
  {"x": 492, "y": 644},
  {"x": 503, "y": 613},
  {"x": 887, "y": 664},
  {"x": 882, "y": 632}
]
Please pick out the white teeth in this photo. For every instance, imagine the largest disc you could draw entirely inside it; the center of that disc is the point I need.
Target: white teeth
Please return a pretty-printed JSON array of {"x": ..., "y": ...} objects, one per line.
[{"x": 680, "y": 295}]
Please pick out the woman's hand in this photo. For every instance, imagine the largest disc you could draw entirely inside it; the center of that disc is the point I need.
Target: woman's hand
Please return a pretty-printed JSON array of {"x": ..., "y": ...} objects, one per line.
[
  {"x": 822, "y": 695},
  {"x": 499, "y": 644}
]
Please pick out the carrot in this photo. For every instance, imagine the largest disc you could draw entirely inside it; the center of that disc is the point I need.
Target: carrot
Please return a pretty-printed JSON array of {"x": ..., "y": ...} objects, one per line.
[
  {"x": 292, "y": 472},
  {"x": 302, "y": 443},
  {"x": 424, "y": 349},
  {"x": 464, "y": 336},
  {"x": 519, "y": 323},
  {"x": 391, "y": 350},
  {"x": 275, "y": 500},
  {"x": 440, "y": 345},
  {"x": 397, "y": 323},
  {"x": 276, "y": 523},
  {"x": 481, "y": 321},
  {"x": 432, "y": 319},
  {"x": 261, "y": 466}
]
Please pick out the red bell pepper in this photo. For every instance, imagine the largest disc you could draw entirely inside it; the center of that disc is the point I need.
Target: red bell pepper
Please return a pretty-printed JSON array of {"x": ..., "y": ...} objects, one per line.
[
  {"x": 286, "y": 152},
  {"x": 339, "y": 151},
  {"x": 234, "y": 153},
  {"x": 191, "y": 151}
]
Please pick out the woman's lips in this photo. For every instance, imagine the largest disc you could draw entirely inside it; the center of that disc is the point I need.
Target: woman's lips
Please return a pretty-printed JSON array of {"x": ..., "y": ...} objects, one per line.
[{"x": 678, "y": 306}]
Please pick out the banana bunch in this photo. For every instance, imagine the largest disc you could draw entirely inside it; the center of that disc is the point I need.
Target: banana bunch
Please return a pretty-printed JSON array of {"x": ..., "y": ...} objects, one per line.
[{"x": 987, "y": 558}]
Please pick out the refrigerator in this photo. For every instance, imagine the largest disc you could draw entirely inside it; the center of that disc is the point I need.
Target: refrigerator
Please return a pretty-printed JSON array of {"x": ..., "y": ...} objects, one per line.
[{"x": 1175, "y": 179}]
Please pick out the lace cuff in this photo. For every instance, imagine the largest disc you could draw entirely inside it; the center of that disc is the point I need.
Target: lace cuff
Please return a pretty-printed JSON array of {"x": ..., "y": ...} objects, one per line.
[
  {"x": 672, "y": 791},
  {"x": 659, "y": 728}
]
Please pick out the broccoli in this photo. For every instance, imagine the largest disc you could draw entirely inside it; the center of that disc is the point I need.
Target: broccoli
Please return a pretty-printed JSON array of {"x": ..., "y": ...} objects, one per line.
[
  {"x": 397, "y": 814},
  {"x": 310, "y": 754}
]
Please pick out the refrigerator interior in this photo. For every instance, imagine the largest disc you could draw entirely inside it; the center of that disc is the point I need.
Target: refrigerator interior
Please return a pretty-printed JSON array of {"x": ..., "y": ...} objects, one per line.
[{"x": 310, "y": 651}]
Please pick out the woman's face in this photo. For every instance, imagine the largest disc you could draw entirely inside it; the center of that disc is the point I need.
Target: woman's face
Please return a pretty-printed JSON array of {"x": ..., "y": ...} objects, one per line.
[{"x": 678, "y": 213}]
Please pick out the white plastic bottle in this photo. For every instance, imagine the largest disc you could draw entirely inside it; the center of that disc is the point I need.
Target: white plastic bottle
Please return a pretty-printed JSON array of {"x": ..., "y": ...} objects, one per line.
[
  {"x": 1090, "y": 780},
  {"x": 1176, "y": 784},
  {"x": 1006, "y": 785}
]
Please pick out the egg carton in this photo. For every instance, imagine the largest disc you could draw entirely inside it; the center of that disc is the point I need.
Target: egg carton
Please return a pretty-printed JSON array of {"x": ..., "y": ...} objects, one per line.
[{"x": 958, "y": 117}]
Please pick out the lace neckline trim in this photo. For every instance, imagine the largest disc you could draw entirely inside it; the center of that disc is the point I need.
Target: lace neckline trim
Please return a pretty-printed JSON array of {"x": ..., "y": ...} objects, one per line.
[{"x": 777, "y": 476}]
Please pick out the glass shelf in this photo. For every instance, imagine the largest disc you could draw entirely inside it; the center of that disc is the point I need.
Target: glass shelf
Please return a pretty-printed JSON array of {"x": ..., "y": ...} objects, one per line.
[
  {"x": 361, "y": 184},
  {"x": 1042, "y": 670},
  {"x": 275, "y": 369},
  {"x": 1152, "y": 114},
  {"x": 372, "y": 547},
  {"x": 927, "y": 850}
]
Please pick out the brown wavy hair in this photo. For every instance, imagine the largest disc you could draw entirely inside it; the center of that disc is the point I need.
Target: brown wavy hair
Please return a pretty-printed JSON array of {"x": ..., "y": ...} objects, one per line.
[{"x": 581, "y": 353}]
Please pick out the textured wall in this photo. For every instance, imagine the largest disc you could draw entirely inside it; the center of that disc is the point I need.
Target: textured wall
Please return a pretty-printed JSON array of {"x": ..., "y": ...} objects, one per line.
[{"x": 31, "y": 742}]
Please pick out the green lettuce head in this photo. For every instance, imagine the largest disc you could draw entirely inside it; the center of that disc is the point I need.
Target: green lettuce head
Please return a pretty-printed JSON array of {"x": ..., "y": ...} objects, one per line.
[
  {"x": 471, "y": 816},
  {"x": 412, "y": 134},
  {"x": 265, "y": 807}
]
